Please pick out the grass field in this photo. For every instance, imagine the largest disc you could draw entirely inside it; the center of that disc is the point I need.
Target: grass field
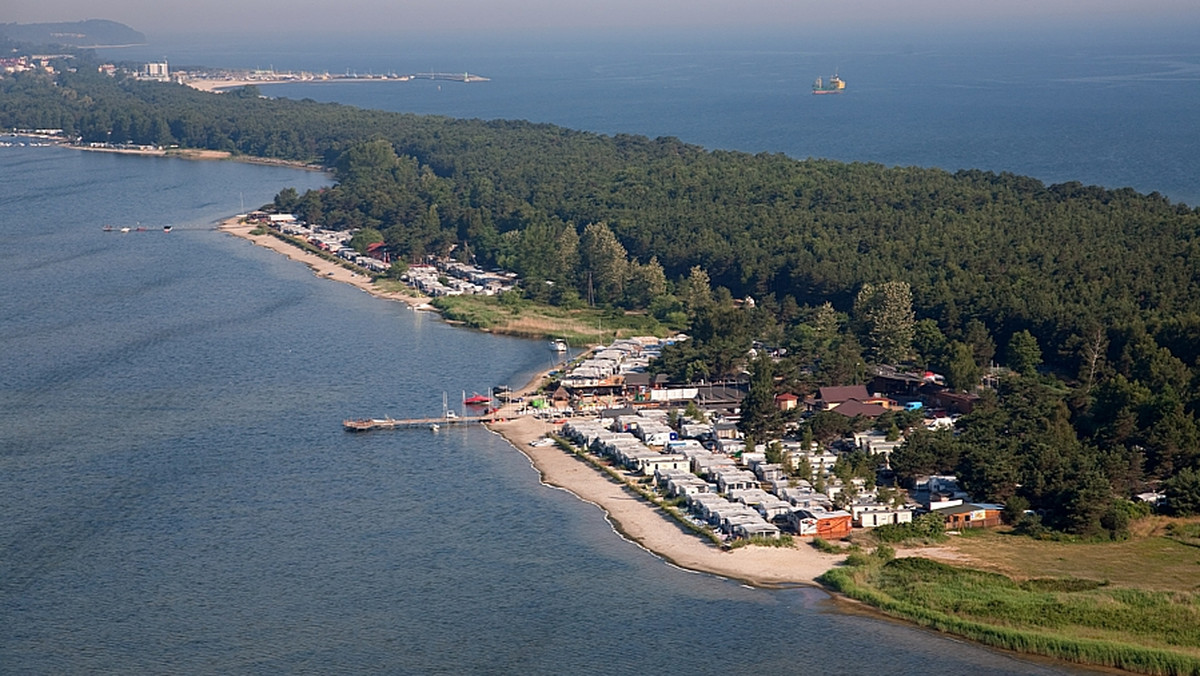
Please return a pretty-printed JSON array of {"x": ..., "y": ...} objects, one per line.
[
  {"x": 1152, "y": 559},
  {"x": 1133, "y": 605}
]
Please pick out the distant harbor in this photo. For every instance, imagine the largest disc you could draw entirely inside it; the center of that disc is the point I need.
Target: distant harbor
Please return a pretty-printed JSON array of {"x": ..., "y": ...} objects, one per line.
[{"x": 230, "y": 79}]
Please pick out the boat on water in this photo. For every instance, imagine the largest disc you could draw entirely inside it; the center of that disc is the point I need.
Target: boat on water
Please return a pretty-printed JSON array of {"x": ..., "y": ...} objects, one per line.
[
  {"x": 166, "y": 228},
  {"x": 558, "y": 345},
  {"x": 107, "y": 228},
  {"x": 477, "y": 400},
  {"x": 835, "y": 86}
]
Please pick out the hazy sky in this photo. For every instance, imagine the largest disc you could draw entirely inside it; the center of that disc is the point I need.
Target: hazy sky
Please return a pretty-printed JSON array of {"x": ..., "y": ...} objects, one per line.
[{"x": 500, "y": 16}]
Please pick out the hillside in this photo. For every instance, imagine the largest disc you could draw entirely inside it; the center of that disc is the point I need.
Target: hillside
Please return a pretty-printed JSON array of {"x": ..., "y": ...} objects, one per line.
[{"x": 90, "y": 33}]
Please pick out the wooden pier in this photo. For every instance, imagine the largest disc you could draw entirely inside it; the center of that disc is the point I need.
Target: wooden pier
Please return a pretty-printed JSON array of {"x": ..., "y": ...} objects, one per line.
[{"x": 369, "y": 424}]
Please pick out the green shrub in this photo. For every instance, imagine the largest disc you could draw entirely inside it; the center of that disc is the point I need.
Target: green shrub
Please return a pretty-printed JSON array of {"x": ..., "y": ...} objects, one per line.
[
  {"x": 884, "y": 553},
  {"x": 823, "y": 545},
  {"x": 1183, "y": 530},
  {"x": 1065, "y": 584},
  {"x": 858, "y": 559},
  {"x": 781, "y": 541},
  {"x": 927, "y": 527}
]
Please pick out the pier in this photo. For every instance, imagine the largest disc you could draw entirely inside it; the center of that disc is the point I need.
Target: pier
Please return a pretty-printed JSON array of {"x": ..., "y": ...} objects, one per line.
[
  {"x": 453, "y": 77},
  {"x": 369, "y": 424}
]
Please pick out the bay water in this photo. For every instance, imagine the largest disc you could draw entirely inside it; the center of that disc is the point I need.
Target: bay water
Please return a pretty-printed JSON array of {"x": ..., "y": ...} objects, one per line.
[{"x": 177, "y": 494}]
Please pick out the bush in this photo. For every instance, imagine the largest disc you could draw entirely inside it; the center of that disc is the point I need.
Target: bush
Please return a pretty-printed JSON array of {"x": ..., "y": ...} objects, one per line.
[
  {"x": 781, "y": 541},
  {"x": 1183, "y": 492},
  {"x": 884, "y": 553},
  {"x": 823, "y": 545},
  {"x": 1065, "y": 584},
  {"x": 1014, "y": 509},
  {"x": 858, "y": 559},
  {"x": 1184, "y": 531},
  {"x": 929, "y": 527},
  {"x": 1030, "y": 524}
]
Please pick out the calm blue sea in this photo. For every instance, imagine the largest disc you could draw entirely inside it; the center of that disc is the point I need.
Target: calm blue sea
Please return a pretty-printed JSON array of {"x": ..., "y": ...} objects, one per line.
[
  {"x": 176, "y": 493},
  {"x": 1115, "y": 108}
]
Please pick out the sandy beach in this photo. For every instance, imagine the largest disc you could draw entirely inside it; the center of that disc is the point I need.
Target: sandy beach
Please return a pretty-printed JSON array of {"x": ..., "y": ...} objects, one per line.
[
  {"x": 631, "y": 516},
  {"x": 644, "y": 524},
  {"x": 222, "y": 85},
  {"x": 321, "y": 267}
]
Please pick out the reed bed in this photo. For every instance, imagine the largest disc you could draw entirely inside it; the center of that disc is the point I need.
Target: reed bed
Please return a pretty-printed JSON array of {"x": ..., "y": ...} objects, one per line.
[{"x": 1079, "y": 620}]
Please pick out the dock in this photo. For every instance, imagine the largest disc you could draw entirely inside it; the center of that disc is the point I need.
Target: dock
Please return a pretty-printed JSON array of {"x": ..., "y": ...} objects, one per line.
[{"x": 369, "y": 424}]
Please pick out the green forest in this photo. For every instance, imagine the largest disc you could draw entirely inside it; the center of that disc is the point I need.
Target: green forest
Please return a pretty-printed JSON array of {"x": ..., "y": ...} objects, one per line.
[{"x": 1087, "y": 295}]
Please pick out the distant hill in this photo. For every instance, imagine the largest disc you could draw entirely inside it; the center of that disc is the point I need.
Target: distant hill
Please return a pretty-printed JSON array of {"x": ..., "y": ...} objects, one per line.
[{"x": 90, "y": 33}]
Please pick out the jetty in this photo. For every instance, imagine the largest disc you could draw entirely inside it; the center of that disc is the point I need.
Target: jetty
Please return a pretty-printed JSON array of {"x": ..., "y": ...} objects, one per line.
[
  {"x": 453, "y": 77},
  {"x": 369, "y": 424}
]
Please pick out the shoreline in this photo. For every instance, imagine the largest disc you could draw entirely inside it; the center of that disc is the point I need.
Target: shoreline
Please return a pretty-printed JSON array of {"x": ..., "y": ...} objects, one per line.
[
  {"x": 186, "y": 154},
  {"x": 215, "y": 86},
  {"x": 642, "y": 523},
  {"x": 631, "y": 517},
  {"x": 321, "y": 267}
]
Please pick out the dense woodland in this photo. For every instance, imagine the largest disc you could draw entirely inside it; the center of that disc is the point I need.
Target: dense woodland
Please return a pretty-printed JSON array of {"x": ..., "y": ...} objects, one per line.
[{"x": 1088, "y": 295}]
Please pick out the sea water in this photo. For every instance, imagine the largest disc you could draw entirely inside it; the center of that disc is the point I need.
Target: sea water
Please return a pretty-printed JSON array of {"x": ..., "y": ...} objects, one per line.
[
  {"x": 1114, "y": 108},
  {"x": 177, "y": 494},
  {"x": 176, "y": 490}
]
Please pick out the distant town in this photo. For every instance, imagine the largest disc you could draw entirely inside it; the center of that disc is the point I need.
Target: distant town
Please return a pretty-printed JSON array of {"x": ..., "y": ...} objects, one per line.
[{"x": 214, "y": 79}]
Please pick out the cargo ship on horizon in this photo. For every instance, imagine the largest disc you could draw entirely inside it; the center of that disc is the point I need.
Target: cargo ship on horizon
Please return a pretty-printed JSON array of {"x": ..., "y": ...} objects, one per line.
[{"x": 835, "y": 86}]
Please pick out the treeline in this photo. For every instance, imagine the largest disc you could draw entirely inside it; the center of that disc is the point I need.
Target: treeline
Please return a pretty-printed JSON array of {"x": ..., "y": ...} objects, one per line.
[{"x": 964, "y": 269}]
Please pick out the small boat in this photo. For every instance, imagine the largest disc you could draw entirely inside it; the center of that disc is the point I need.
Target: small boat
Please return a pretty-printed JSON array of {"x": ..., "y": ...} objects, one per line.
[
  {"x": 125, "y": 229},
  {"x": 434, "y": 427},
  {"x": 166, "y": 228},
  {"x": 107, "y": 228},
  {"x": 477, "y": 400},
  {"x": 835, "y": 86},
  {"x": 558, "y": 345}
]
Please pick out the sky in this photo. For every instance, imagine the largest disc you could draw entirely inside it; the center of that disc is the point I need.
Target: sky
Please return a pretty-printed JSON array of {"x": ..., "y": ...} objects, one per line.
[{"x": 518, "y": 16}]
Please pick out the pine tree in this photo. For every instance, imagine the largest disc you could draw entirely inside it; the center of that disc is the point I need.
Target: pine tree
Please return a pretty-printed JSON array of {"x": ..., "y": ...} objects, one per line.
[
  {"x": 696, "y": 292},
  {"x": 962, "y": 373},
  {"x": 886, "y": 317},
  {"x": 1024, "y": 353},
  {"x": 605, "y": 261},
  {"x": 760, "y": 417}
]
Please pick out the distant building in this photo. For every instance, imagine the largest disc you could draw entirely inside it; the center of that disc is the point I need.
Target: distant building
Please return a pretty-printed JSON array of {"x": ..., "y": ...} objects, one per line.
[
  {"x": 832, "y": 397},
  {"x": 157, "y": 71},
  {"x": 970, "y": 516},
  {"x": 786, "y": 401}
]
